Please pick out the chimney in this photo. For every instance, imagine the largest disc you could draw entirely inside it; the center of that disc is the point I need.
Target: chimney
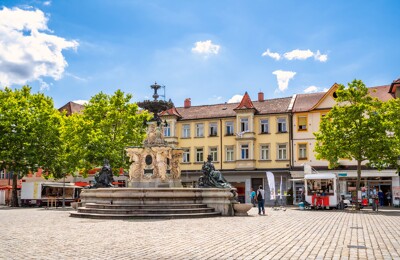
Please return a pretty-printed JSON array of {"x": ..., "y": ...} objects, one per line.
[
  {"x": 260, "y": 96},
  {"x": 187, "y": 103}
]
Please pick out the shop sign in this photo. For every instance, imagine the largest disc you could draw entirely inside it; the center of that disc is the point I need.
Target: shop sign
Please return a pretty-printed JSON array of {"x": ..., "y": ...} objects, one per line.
[{"x": 342, "y": 174}]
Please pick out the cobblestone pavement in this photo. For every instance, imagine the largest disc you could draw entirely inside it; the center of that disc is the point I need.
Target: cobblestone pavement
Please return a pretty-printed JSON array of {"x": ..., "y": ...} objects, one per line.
[{"x": 37, "y": 233}]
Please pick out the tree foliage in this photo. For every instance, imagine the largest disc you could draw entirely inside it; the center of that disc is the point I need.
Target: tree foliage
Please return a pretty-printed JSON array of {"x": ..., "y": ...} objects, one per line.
[
  {"x": 356, "y": 128},
  {"x": 107, "y": 125},
  {"x": 29, "y": 127}
]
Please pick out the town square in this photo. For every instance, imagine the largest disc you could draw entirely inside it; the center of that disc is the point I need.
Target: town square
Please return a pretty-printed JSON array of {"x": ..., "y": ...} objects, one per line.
[
  {"x": 38, "y": 233},
  {"x": 199, "y": 129}
]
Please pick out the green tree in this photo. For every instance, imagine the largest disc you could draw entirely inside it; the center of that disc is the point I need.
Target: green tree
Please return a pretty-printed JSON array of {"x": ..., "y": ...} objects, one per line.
[
  {"x": 355, "y": 129},
  {"x": 107, "y": 125},
  {"x": 30, "y": 137}
]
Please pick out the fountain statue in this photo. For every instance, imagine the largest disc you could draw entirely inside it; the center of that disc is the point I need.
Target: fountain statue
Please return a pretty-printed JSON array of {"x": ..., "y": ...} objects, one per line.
[{"x": 212, "y": 178}]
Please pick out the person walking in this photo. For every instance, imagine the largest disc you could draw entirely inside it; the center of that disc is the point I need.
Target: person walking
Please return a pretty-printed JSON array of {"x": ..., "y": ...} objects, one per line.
[
  {"x": 252, "y": 196},
  {"x": 389, "y": 197},
  {"x": 381, "y": 197},
  {"x": 260, "y": 200}
]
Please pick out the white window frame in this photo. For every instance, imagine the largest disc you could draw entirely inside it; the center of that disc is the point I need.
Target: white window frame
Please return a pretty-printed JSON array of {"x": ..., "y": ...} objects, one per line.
[
  {"x": 264, "y": 152},
  {"x": 302, "y": 150},
  {"x": 230, "y": 153},
  {"x": 244, "y": 124},
  {"x": 229, "y": 128},
  {"x": 282, "y": 151},
  {"x": 186, "y": 155},
  {"x": 199, "y": 154},
  {"x": 200, "y": 130},
  {"x": 167, "y": 130},
  {"x": 213, "y": 151},
  {"x": 186, "y": 130},
  {"x": 282, "y": 126},
  {"x": 265, "y": 124},
  {"x": 213, "y": 129},
  {"x": 244, "y": 151}
]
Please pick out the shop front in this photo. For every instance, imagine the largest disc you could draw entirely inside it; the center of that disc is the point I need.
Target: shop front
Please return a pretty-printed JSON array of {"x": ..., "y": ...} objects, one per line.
[{"x": 372, "y": 183}]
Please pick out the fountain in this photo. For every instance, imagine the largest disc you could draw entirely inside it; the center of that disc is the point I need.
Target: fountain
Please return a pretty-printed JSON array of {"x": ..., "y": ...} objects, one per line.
[
  {"x": 156, "y": 164},
  {"x": 154, "y": 186}
]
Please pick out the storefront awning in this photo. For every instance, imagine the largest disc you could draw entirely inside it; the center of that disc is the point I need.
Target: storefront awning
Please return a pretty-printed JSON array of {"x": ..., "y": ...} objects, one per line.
[{"x": 81, "y": 184}]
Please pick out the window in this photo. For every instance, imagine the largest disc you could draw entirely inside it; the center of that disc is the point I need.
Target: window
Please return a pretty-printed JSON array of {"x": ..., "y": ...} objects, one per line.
[
  {"x": 186, "y": 155},
  {"x": 214, "y": 154},
  {"x": 229, "y": 154},
  {"x": 302, "y": 151},
  {"x": 244, "y": 151},
  {"x": 264, "y": 126},
  {"x": 167, "y": 130},
  {"x": 281, "y": 125},
  {"x": 244, "y": 124},
  {"x": 213, "y": 129},
  {"x": 186, "y": 131},
  {"x": 199, "y": 130},
  {"x": 282, "y": 152},
  {"x": 2, "y": 175},
  {"x": 264, "y": 152},
  {"x": 199, "y": 154},
  {"x": 229, "y": 128},
  {"x": 302, "y": 123}
]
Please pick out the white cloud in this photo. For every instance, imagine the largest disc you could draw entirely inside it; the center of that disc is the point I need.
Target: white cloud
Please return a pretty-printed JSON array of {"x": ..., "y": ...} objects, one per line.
[
  {"x": 215, "y": 99},
  {"x": 314, "y": 89},
  {"x": 273, "y": 55},
  {"x": 321, "y": 57},
  {"x": 235, "y": 99},
  {"x": 298, "y": 54},
  {"x": 311, "y": 89},
  {"x": 47, "y": 3},
  {"x": 206, "y": 48},
  {"x": 305, "y": 54},
  {"x": 27, "y": 51},
  {"x": 81, "y": 102},
  {"x": 283, "y": 78}
]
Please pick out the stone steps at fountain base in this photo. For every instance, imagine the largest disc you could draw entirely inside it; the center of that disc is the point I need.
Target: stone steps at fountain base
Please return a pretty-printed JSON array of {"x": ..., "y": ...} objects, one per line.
[
  {"x": 166, "y": 211},
  {"x": 144, "y": 206}
]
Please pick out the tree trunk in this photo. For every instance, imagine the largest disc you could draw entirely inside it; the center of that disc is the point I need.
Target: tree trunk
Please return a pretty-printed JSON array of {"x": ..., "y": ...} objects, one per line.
[
  {"x": 358, "y": 207},
  {"x": 14, "y": 198}
]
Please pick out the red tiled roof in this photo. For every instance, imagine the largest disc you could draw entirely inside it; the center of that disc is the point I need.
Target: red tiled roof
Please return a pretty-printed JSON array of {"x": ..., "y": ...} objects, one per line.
[
  {"x": 245, "y": 103},
  {"x": 394, "y": 85},
  {"x": 269, "y": 106},
  {"x": 305, "y": 102},
  {"x": 170, "y": 112},
  {"x": 72, "y": 108},
  {"x": 381, "y": 92}
]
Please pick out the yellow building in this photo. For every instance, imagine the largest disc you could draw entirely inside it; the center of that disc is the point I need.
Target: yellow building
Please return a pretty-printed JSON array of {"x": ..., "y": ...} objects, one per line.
[
  {"x": 245, "y": 140},
  {"x": 307, "y": 111}
]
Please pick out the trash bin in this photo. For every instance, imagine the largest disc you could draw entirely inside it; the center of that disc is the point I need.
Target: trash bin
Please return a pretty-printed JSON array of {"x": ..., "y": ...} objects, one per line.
[{"x": 301, "y": 205}]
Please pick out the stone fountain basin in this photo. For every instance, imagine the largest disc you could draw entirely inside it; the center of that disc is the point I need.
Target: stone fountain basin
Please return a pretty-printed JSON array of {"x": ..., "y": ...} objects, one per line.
[
  {"x": 242, "y": 209},
  {"x": 219, "y": 199}
]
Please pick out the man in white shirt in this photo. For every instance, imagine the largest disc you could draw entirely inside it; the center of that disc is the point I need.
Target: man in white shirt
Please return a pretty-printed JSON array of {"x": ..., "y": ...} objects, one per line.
[{"x": 260, "y": 200}]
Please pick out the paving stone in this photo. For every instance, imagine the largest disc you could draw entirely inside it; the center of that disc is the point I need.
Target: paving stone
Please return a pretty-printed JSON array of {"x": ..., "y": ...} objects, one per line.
[{"x": 36, "y": 233}]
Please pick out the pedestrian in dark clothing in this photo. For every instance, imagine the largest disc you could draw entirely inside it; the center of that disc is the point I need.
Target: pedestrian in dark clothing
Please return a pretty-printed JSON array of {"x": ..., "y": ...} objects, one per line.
[
  {"x": 381, "y": 197},
  {"x": 260, "y": 200}
]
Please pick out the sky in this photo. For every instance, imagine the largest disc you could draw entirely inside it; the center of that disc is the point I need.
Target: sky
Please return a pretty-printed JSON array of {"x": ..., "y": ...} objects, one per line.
[{"x": 209, "y": 51}]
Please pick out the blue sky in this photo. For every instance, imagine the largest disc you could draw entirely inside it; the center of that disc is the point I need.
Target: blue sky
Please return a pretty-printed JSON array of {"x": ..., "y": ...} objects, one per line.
[{"x": 208, "y": 51}]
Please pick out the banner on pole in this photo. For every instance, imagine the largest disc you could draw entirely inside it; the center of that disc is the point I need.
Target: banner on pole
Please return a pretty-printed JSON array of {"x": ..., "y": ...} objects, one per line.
[{"x": 271, "y": 183}]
